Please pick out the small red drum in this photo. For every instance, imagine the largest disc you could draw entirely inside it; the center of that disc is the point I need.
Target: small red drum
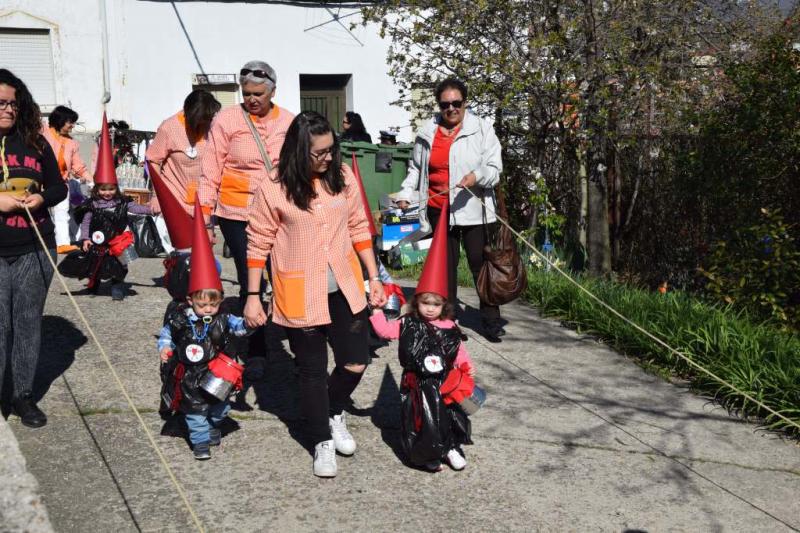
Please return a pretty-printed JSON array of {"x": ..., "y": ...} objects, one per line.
[{"x": 224, "y": 374}]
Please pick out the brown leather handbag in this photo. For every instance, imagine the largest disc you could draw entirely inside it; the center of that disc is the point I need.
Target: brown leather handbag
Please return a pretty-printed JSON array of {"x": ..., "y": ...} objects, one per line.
[{"x": 502, "y": 277}]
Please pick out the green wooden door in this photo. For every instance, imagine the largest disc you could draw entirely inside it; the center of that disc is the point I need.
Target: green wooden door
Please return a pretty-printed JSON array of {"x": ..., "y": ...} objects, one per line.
[{"x": 330, "y": 104}]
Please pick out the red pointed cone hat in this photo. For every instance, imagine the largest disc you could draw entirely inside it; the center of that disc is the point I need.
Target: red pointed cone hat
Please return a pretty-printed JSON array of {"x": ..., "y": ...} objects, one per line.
[
  {"x": 203, "y": 269},
  {"x": 105, "y": 172},
  {"x": 364, "y": 201},
  {"x": 179, "y": 223},
  {"x": 435, "y": 272}
]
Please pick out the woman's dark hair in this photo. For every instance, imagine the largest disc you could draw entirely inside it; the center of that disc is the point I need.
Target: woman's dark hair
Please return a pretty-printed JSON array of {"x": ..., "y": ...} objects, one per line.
[
  {"x": 29, "y": 118},
  {"x": 294, "y": 169},
  {"x": 357, "y": 131},
  {"x": 199, "y": 109},
  {"x": 96, "y": 192},
  {"x": 450, "y": 83},
  {"x": 60, "y": 116},
  {"x": 356, "y": 123},
  {"x": 448, "y": 312}
]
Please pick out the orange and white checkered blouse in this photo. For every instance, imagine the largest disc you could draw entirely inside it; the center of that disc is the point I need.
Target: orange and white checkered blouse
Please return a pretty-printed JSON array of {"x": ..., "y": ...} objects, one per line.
[
  {"x": 180, "y": 172},
  {"x": 232, "y": 164},
  {"x": 67, "y": 153},
  {"x": 303, "y": 243}
]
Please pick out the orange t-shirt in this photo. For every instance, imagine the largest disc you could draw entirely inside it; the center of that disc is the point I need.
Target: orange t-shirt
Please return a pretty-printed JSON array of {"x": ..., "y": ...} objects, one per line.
[{"x": 439, "y": 168}]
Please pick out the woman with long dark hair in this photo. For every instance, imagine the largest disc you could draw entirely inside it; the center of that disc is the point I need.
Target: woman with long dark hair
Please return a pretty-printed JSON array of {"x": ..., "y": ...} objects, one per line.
[
  {"x": 30, "y": 180},
  {"x": 310, "y": 219},
  {"x": 354, "y": 129}
]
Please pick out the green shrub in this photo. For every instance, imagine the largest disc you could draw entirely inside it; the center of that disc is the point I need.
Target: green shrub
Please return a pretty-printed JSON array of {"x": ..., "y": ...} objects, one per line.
[
  {"x": 758, "y": 269},
  {"x": 414, "y": 271}
]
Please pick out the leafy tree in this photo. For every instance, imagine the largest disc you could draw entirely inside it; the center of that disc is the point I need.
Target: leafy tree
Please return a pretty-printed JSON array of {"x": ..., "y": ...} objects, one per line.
[{"x": 572, "y": 85}]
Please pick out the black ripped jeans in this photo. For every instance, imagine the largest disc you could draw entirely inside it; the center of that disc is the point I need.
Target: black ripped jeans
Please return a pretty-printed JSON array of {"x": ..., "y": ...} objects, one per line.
[{"x": 322, "y": 396}]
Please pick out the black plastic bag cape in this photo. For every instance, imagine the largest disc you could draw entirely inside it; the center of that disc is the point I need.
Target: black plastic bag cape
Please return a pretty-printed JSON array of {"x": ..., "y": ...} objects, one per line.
[
  {"x": 96, "y": 263},
  {"x": 145, "y": 236},
  {"x": 177, "y": 267},
  {"x": 429, "y": 427}
]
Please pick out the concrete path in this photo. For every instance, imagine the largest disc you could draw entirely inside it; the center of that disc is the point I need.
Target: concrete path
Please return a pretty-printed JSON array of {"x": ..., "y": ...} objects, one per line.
[{"x": 574, "y": 437}]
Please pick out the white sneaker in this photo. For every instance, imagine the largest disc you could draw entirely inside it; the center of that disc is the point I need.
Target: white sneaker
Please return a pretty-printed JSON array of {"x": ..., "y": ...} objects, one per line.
[
  {"x": 456, "y": 460},
  {"x": 345, "y": 444},
  {"x": 325, "y": 459}
]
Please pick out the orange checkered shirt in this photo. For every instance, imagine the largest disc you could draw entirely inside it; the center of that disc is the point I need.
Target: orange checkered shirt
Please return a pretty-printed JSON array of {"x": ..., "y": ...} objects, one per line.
[
  {"x": 303, "y": 244},
  {"x": 232, "y": 164},
  {"x": 180, "y": 172}
]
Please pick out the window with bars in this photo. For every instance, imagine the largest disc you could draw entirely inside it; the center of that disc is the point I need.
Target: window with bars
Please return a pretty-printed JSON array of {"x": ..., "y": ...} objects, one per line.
[{"x": 28, "y": 53}]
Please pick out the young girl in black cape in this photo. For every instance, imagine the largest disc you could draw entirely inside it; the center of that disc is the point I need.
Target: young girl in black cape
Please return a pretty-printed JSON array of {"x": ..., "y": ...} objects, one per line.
[{"x": 433, "y": 425}]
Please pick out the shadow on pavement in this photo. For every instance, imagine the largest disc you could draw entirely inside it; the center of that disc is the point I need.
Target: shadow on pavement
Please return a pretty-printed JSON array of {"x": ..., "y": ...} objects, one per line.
[
  {"x": 277, "y": 390},
  {"x": 60, "y": 340},
  {"x": 385, "y": 413}
]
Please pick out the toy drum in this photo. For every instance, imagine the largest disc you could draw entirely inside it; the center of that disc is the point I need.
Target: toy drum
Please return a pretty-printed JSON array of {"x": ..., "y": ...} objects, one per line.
[
  {"x": 392, "y": 307},
  {"x": 474, "y": 401},
  {"x": 224, "y": 374}
]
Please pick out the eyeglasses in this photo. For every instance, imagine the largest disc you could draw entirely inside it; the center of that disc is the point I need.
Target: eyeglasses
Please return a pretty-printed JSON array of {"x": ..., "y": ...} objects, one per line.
[
  {"x": 258, "y": 73},
  {"x": 455, "y": 103},
  {"x": 319, "y": 156},
  {"x": 5, "y": 104}
]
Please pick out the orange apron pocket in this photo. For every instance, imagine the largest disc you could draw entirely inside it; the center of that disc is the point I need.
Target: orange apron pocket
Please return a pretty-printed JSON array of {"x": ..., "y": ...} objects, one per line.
[
  {"x": 235, "y": 188},
  {"x": 191, "y": 192},
  {"x": 289, "y": 293},
  {"x": 355, "y": 266}
]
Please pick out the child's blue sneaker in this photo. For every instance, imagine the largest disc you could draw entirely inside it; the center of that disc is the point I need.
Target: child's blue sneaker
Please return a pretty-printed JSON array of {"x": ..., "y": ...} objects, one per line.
[{"x": 215, "y": 436}]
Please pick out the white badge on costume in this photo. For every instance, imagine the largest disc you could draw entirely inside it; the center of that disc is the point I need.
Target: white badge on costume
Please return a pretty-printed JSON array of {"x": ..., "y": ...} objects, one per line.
[
  {"x": 98, "y": 237},
  {"x": 194, "y": 353},
  {"x": 433, "y": 364},
  {"x": 191, "y": 152}
]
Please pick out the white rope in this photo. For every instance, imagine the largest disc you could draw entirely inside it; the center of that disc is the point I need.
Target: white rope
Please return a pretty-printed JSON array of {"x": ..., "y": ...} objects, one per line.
[{"x": 122, "y": 388}]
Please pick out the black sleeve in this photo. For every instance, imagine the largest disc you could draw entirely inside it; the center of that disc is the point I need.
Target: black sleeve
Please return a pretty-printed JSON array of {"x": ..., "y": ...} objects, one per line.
[{"x": 55, "y": 190}]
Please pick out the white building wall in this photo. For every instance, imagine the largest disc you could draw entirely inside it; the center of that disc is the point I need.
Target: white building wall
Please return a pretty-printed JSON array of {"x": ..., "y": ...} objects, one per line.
[{"x": 151, "y": 62}]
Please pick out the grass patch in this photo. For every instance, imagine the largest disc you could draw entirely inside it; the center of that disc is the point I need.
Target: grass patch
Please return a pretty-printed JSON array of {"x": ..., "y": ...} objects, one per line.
[
  {"x": 413, "y": 272},
  {"x": 756, "y": 358}
]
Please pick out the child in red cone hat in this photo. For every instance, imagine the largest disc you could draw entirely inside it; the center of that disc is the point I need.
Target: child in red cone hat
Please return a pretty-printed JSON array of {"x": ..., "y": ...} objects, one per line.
[
  {"x": 192, "y": 344},
  {"x": 431, "y": 352},
  {"x": 103, "y": 220}
]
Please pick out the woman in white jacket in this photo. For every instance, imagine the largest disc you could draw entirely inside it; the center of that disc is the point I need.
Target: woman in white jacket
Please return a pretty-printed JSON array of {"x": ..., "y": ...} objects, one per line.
[{"x": 457, "y": 149}]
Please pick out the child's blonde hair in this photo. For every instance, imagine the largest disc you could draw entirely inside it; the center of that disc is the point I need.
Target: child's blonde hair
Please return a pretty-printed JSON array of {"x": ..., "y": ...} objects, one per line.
[{"x": 210, "y": 294}]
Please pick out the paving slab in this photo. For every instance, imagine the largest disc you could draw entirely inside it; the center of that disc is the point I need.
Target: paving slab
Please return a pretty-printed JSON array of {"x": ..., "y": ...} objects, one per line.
[{"x": 573, "y": 437}]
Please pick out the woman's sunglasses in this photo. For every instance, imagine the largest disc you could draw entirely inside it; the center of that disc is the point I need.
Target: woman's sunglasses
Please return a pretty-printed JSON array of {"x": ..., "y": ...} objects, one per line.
[
  {"x": 258, "y": 73},
  {"x": 455, "y": 103}
]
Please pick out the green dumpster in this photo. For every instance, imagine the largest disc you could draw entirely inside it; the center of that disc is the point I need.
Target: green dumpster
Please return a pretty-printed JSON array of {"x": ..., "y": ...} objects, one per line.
[
  {"x": 383, "y": 168},
  {"x": 393, "y": 159}
]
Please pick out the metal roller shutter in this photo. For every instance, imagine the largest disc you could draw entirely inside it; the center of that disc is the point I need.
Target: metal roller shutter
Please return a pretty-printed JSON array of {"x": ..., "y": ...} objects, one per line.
[{"x": 28, "y": 54}]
